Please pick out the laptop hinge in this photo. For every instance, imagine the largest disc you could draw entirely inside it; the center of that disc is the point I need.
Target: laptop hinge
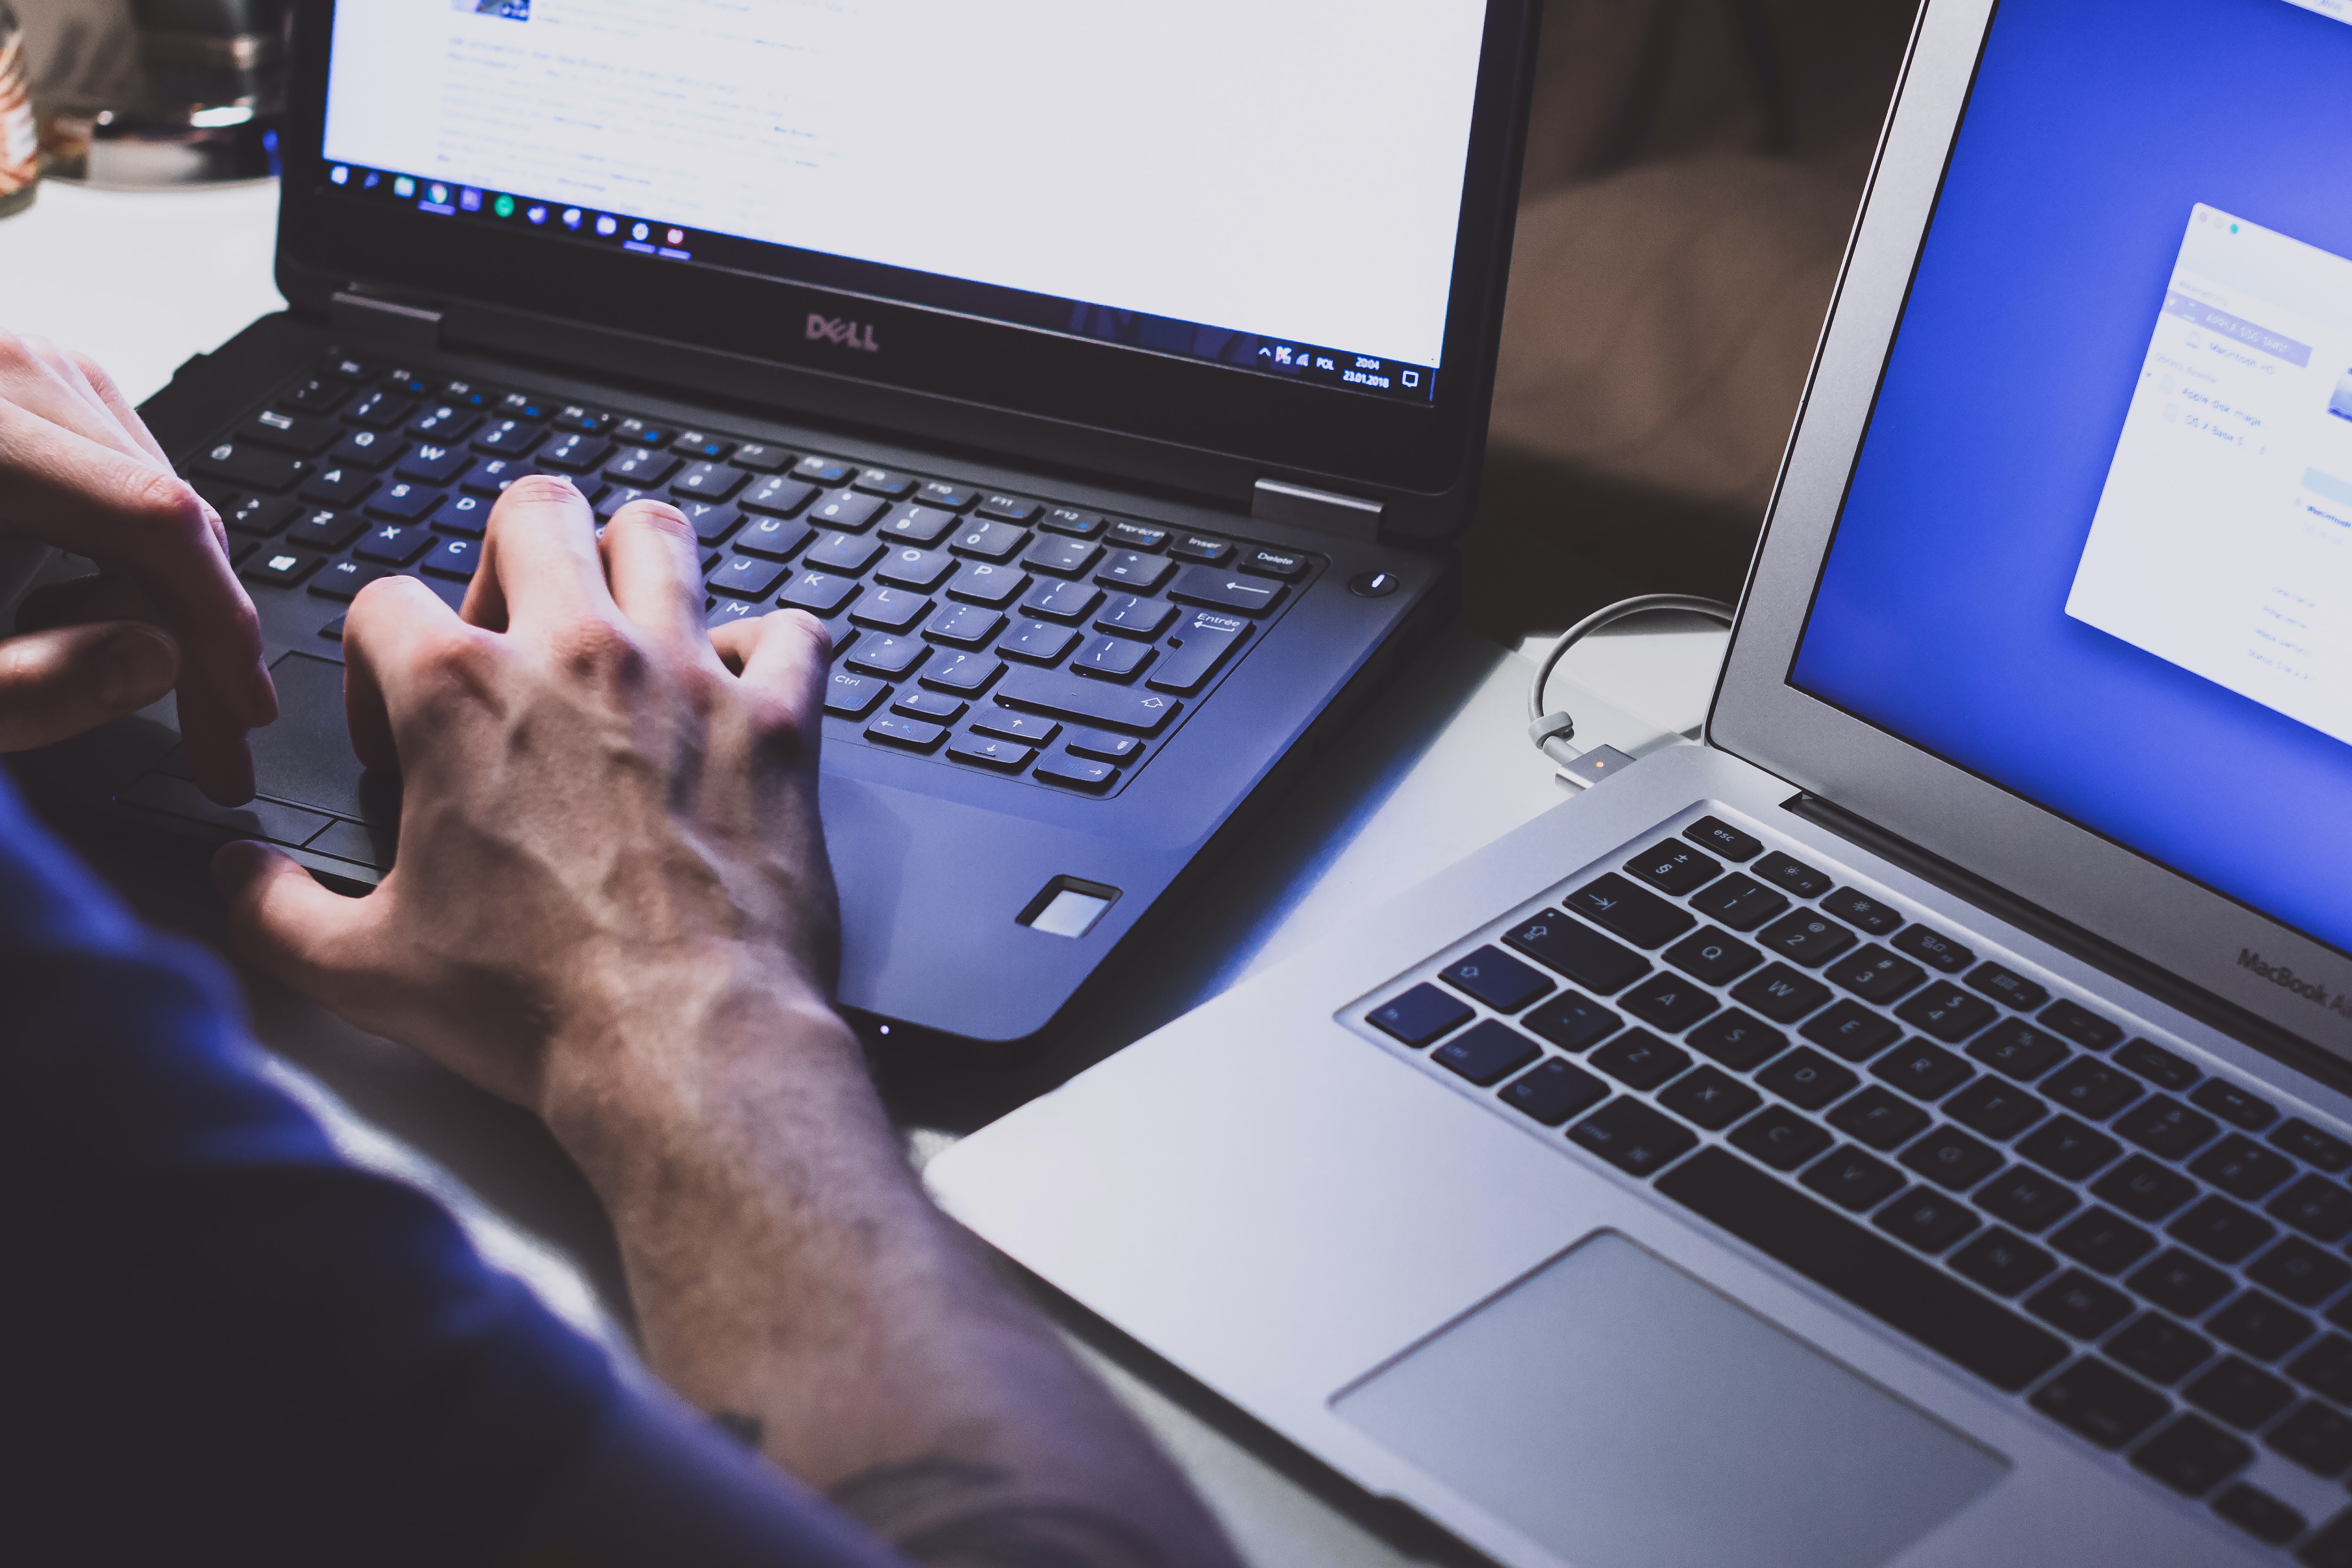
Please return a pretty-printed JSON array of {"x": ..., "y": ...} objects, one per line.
[
  {"x": 380, "y": 326},
  {"x": 1296, "y": 505}
]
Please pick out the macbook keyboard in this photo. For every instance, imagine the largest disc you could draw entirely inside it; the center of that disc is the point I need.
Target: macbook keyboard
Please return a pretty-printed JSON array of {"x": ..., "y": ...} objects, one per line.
[
  {"x": 2146, "y": 1250},
  {"x": 1007, "y": 633}
]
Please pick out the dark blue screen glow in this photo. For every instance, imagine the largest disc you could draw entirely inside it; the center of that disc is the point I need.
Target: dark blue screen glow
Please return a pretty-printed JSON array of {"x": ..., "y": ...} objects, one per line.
[{"x": 2094, "y": 128}]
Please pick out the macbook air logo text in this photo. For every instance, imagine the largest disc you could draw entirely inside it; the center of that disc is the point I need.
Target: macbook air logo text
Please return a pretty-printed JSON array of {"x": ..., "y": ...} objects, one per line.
[
  {"x": 2286, "y": 979},
  {"x": 848, "y": 334}
]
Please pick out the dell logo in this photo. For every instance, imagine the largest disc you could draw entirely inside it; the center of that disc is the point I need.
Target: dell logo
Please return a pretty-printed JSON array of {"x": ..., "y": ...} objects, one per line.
[{"x": 848, "y": 334}]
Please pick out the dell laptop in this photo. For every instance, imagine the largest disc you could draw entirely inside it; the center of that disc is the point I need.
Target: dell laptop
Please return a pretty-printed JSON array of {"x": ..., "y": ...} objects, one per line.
[
  {"x": 1109, "y": 379},
  {"x": 1914, "y": 1125}
]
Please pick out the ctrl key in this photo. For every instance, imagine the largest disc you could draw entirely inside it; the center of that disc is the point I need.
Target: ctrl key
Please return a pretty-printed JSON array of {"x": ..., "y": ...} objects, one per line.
[
  {"x": 1487, "y": 1053},
  {"x": 1421, "y": 1014}
]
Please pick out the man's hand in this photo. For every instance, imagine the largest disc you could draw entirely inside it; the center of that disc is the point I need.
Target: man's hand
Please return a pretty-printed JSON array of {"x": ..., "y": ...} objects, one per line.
[{"x": 80, "y": 472}]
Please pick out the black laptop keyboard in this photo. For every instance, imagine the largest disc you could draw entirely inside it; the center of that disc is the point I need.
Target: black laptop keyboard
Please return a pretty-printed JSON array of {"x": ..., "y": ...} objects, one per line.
[
  {"x": 2149, "y": 1253},
  {"x": 1002, "y": 632}
]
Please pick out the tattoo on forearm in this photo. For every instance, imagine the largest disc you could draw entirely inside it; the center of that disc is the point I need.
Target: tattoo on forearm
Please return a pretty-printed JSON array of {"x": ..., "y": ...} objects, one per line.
[{"x": 960, "y": 1513}]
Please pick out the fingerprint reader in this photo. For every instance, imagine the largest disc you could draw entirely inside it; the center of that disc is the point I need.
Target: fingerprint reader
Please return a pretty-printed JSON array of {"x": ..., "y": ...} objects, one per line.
[{"x": 1068, "y": 907}]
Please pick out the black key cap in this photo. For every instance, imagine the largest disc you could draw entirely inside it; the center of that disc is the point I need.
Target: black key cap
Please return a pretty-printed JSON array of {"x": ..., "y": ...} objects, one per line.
[
  {"x": 496, "y": 476},
  {"x": 1739, "y": 902},
  {"x": 1856, "y": 908},
  {"x": 2108, "y": 1406},
  {"x": 2091, "y": 1089},
  {"x": 434, "y": 465},
  {"x": 2222, "y": 1230},
  {"x": 742, "y": 576},
  {"x": 1010, "y": 509},
  {"x": 1062, "y": 557},
  {"x": 984, "y": 583},
  {"x": 2316, "y": 1438},
  {"x": 1879, "y": 1119},
  {"x": 919, "y": 525},
  {"x": 1077, "y": 773},
  {"x": 2103, "y": 1239},
  {"x": 2144, "y": 1189},
  {"x": 818, "y": 470},
  {"x": 1198, "y": 648},
  {"x": 2309, "y": 1144},
  {"x": 251, "y": 466},
  {"x": 1945, "y": 1012},
  {"x": 316, "y": 396},
  {"x": 1780, "y": 994},
  {"x": 1922, "y": 1070},
  {"x": 2082, "y": 1306},
  {"x": 2180, "y": 1283},
  {"x": 1555, "y": 1091},
  {"x": 1924, "y": 1219},
  {"x": 1640, "y": 918},
  {"x": 2259, "y": 1324},
  {"x": 1999, "y": 1110},
  {"x": 1487, "y": 1053},
  {"x": 1421, "y": 1014},
  {"x": 466, "y": 516},
  {"x": 1216, "y": 589},
  {"x": 1724, "y": 839},
  {"x": 1004, "y": 756},
  {"x": 1059, "y": 601},
  {"x": 1024, "y": 727},
  {"x": 1199, "y": 547},
  {"x": 328, "y": 532},
  {"x": 891, "y": 658},
  {"x": 393, "y": 544},
  {"x": 1875, "y": 974},
  {"x": 1036, "y": 642},
  {"x": 1795, "y": 876},
  {"x": 2301, "y": 1272},
  {"x": 1853, "y": 1179},
  {"x": 1111, "y": 658},
  {"x": 917, "y": 570},
  {"x": 304, "y": 434},
  {"x": 380, "y": 410},
  {"x": 2007, "y": 985},
  {"x": 2019, "y": 1049},
  {"x": 986, "y": 539},
  {"x": 280, "y": 567},
  {"x": 454, "y": 559},
  {"x": 928, "y": 705},
  {"x": 853, "y": 696},
  {"x": 1633, "y": 1137},
  {"x": 1736, "y": 1040},
  {"x": 1849, "y": 1030},
  {"x": 1713, "y": 956},
  {"x": 712, "y": 520},
  {"x": 1668, "y": 1002},
  {"x": 1639, "y": 1059},
  {"x": 1674, "y": 868},
  {"x": 1094, "y": 702},
  {"x": 706, "y": 482},
  {"x": 342, "y": 580},
  {"x": 881, "y": 482},
  {"x": 964, "y": 625},
  {"x": 2242, "y": 1168},
  {"x": 1849, "y": 1261},
  {"x": 258, "y": 517},
  {"x": 1951, "y": 1159},
  {"x": 1806, "y": 938},
  {"x": 403, "y": 501},
  {"x": 2002, "y": 1261},
  {"x": 1571, "y": 948},
  {"x": 1573, "y": 1021},
  {"x": 1934, "y": 949},
  {"x": 773, "y": 538},
  {"x": 2258, "y": 1514},
  {"x": 1780, "y": 1137},
  {"x": 2085, "y": 1028},
  {"x": 2327, "y": 1369},
  {"x": 963, "y": 674},
  {"x": 1131, "y": 616},
  {"x": 2234, "y": 1105},
  {"x": 934, "y": 492},
  {"x": 2165, "y": 1128},
  {"x": 1071, "y": 521},
  {"x": 1710, "y": 1099},
  {"x": 366, "y": 449},
  {"x": 1275, "y": 562},
  {"x": 1496, "y": 978},
  {"x": 780, "y": 497},
  {"x": 2068, "y": 1148},
  {"x": 575, "y": 453},
  {"x": 914, "y": 734},
  {"x": 703, "y": 444},
  {"x": 843, "y": 553},
  {"x": 337, "y": 485},
  {"x": 638, "y": 433},
  {"x": 2026, "y": 1199},
  {"x": 1808, "y": 1079},
  {"x": 2192, "y": 1456},
  {"x": 508, "y": 437},
  {"x": 644, "y": 469},
  {"x": 2160, "y": 1350},
  {"x": 1135, "y": 572},
  {"x": 2315, "y": 1206},
  {"x": 2238, "y": 1392},
  {"x": 2157, "y": 1064}
]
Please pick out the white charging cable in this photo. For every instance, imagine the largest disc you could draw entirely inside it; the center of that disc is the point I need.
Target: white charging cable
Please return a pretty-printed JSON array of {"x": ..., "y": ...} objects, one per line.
[{"x": 1553, "y": 731}]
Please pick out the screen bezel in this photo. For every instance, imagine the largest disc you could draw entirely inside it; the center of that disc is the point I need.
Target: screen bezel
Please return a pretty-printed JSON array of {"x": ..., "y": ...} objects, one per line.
[
  {"x": 1425, "y": 449},
  {"x": 1759, "y": 714}
]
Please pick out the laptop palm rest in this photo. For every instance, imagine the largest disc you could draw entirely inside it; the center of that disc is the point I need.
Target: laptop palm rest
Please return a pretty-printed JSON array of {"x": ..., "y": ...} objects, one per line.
[{"x": 1615, "y": 1409}]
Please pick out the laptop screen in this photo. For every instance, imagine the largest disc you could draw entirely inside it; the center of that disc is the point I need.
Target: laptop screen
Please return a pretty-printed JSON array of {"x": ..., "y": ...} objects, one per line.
[
  {"x": 2097, "y": 545},
  {"x": 1270, "y": 184}
]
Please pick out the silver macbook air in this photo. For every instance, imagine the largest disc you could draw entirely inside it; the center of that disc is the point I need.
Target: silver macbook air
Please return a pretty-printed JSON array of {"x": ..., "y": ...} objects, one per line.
[{"x": 1912, "y": 1126}]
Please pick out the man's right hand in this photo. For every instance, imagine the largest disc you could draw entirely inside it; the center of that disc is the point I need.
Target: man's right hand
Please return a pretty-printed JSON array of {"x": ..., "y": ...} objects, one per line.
[{"x": 80, "y": 471}]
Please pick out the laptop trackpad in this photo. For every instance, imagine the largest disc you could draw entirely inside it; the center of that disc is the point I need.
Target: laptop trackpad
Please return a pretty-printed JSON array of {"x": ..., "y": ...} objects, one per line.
[{"x": 1614, "y": 1408}]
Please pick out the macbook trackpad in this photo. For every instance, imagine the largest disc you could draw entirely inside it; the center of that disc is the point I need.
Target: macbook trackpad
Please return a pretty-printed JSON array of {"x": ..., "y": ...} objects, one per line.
[{"x": 1626, "y": 1415}]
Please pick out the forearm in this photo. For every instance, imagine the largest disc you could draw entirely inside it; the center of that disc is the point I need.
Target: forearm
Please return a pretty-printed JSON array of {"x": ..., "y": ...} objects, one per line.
[{"x": 788, "y": 1270}]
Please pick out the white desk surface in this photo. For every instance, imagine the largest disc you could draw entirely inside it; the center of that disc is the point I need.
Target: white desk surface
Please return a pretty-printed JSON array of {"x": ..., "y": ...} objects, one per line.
[{"x": 1440, "y": 767}]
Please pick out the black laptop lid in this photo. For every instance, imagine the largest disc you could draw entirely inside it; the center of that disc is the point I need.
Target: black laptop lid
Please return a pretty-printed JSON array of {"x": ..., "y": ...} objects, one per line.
[{"x": 1272, "y": 230}]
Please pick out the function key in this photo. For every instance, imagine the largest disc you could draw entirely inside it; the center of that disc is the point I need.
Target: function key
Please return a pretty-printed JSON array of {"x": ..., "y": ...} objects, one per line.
[
  {"x": 467, "y": 395},
  {"x": 346, "y": 369},
  {"x": 1863, "y": 910},
  {"x": 1010, "y": 509},
  {"x": 2156, "y": 1065},
  {"x": 885, "y": 482},
  {"x": 316, "y": 396},
  {"x": 409, "y": 382},
  {"x": 1138, "y": 535},
  {"x": 1199, "y": 547},
  {"x": 524, "y": 406},
  {"x": 1935, "y": 950},
  {"x": 826, "y": 472},
  {"x": 1794, "y": 875},
  {"x": 638, "y": 433},
  {"x": 2308, "y": 1143},
  {"x": 587, "y": 421},
  {"x": 1287, "y": 564},
  {"x": 1714, "y": 832},
  {"x": 2084, "y": 1027},
  {"x": 1072, "y": 521},
  {"x": 703, "y": 444},
  {"x": 759, "y": 457},
  {"x": 2234, "y": 1105},
  {"x": 1675, "y": 869},
  {"x": 2006, "y": 985},
  {"x": 1077, "y": 773},
  {"x": 954, "y": 497}
]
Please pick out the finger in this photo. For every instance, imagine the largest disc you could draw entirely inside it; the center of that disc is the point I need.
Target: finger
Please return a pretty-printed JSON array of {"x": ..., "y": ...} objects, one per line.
[
  {"x": 541, "y": 552},
  {"x": 294, "y": 930},
  {"x": 111, "y": 395},
  {"x": 388, "y": 635},
  {"x": 654, "y": 566},
  {"x": 60, "y": 683},
  {"x": 784, "y": 670},
  {"x": 218, "y": 748},
  {"x": 43, "y": 379}
]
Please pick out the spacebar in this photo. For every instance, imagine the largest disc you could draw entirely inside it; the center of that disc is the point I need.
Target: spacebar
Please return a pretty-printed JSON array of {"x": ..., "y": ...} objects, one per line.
[{"x": 1872, "y": 1273}]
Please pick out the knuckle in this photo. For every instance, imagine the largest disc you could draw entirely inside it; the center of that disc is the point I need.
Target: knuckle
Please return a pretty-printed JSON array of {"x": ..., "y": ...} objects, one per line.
[
  {"x": 659, "y": 517},
  {"x": 602, "y": 651}
]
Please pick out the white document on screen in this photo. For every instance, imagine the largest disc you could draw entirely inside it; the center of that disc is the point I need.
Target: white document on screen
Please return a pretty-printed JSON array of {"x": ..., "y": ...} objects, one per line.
[
  {"x": 1291, "y": 168},
  {"x": 2224, "y": 539}
]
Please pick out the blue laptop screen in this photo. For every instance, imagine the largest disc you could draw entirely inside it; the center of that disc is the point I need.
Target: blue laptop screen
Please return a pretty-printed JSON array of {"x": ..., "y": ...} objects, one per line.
[{"x": 2097, "y": 547}]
